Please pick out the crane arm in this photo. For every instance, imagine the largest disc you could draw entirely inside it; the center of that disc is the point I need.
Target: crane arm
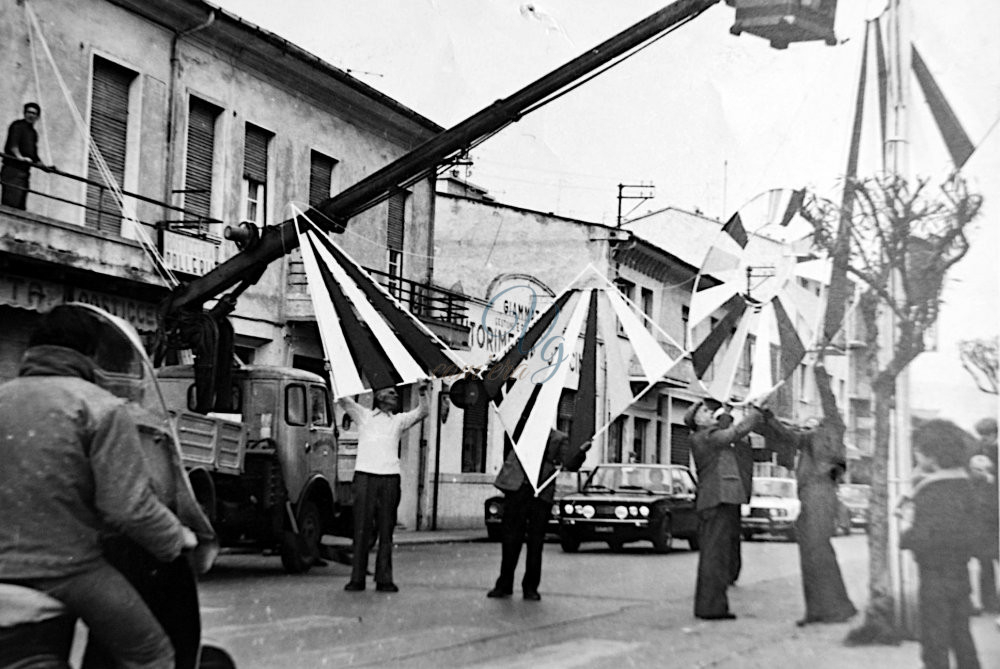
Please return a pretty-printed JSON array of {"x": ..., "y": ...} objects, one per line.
[{"x": 332, "y": 214}]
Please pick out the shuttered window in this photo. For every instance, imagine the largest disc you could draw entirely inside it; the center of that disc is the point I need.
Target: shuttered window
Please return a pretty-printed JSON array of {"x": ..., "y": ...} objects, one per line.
[
  {"x": 255, "y": 174},
  {"x": 680, "y": 445},
  {"x": 109, "y": 130},
  {"x": 320, "y": 177},
  {"x": 200, "y": 157},
  {"x": 474, "y": 427},
  {"x": 397, "y": 211}
]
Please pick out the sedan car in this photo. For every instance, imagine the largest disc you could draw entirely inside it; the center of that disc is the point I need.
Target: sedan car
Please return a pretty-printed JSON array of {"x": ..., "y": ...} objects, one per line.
[
  {"x": 622, "y": 503},
  {"x": 773, "y": 509},
  {"x": 855, "y": 497},
  {"x": 566, "y": 482}
]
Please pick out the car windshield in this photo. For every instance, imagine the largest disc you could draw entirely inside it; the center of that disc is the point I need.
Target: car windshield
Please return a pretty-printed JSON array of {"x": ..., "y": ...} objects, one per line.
[
  {"x": 568, "y": 482},
  {"x": 774, "y": 487},
  {"x": 638, "y": 477}
]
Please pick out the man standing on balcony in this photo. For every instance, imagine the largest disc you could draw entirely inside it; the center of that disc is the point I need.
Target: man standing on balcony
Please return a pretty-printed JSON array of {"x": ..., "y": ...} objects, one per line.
[{"x": 20, "y": 152}]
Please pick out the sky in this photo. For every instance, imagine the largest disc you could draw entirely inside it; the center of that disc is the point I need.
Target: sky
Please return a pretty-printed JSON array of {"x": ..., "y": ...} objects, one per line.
[{"x": 708, "y": 119}]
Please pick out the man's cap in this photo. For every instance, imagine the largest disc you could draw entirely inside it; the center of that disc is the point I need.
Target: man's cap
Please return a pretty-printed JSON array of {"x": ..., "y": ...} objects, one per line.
[{"x": 33, "y": 105}]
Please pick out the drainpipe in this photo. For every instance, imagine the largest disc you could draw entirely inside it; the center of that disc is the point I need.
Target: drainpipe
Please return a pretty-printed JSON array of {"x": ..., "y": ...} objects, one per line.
[{"x": 171, "y": 102}]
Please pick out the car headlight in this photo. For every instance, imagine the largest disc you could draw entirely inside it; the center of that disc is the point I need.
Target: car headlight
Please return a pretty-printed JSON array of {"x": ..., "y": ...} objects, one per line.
[
  {"x": 568, "y": 509},
  {"x": 779, "y": 513},
  {"x": 587, "y": 511},
  {"x": 644, "y": 511},
  {"x": 621, "y": 512},
  {"x": 493, "y": 508},
  {"x": 633, "y": 511},
  {"x": 555, "y": 509}
]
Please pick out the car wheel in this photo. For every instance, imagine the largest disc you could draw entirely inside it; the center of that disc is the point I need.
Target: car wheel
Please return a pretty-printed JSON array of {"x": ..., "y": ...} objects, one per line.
[
  {"x": 493, "y": 532},
  {"x": 300, "y": 551},
  {"x": 569, "y": 543},
  {"x": 663, "y": 536}
]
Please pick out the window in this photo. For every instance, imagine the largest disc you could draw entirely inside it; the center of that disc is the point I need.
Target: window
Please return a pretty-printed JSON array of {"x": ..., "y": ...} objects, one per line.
[
  {"x": 627, "y": 288},
  {"x": 615, "y": 439},
  {"x": 394, "y": 240},
  {"x": 647, "y": 306},
  {"x": 320, "y": 177},
  {"x": 567, "y": 407},
  {"x": 474, "y": 437},
  {"x": 256, "y": 141},
  {"x": 680, "y": 444},
  {"x": 109, "y": 119},
  {"x": 202, "y": 117},
  {"x": 319, "y": 406},
  {"x": 640, "y": 426},
  {"x": 295, "y": 405}
]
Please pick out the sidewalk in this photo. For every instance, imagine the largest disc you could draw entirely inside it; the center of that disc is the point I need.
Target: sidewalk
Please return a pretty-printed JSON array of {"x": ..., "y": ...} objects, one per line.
[{"x": 412, "y": 537}]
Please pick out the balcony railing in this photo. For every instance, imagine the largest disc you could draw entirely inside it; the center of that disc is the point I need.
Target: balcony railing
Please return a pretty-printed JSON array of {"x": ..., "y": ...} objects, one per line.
[
  {"x": 101, "y": 211},
  {"x": 423, "y": 299}
]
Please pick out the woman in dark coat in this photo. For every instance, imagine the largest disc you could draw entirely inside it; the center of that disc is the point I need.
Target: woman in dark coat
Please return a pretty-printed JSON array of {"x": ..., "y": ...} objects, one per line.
[{"x": 821, "y": 462}]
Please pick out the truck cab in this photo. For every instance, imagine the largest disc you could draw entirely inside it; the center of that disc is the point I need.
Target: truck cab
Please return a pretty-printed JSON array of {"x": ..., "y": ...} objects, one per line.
[{"x": 266, "y": 471}]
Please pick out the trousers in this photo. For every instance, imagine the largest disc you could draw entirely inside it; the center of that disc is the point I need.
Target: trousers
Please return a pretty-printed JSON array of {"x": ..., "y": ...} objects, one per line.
[
  {"x": 525, "y": 521},
  {"x": 944, "y": 619},
  {"x": 716, "y": 559},
  {"x": 376, "y": 499},
  {"x": 115, "y": 615}
]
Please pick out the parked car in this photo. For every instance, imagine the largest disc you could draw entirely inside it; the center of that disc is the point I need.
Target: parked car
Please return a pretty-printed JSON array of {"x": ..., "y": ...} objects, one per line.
[
  {"x": 566, "y": 482},
  {"x": 773, "y": 509},
  {"x": 856, "y": 497},
  {"x": 622, "y": 503}
]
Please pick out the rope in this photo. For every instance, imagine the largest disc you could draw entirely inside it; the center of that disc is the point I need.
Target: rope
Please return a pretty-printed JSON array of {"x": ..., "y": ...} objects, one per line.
[{"x": 159, "y": 265}]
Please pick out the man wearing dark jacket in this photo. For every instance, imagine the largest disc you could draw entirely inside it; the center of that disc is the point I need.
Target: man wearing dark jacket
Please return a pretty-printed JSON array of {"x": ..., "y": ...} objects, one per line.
[
  {"x": 936, "y": 527},
  {"x": 20, "y": 153},
  {"x": 821, "y": 462},
  {"x": 723, "y": 459},
  {"x": 72, "y": 468},
  {"x": 526, "y": 514}
]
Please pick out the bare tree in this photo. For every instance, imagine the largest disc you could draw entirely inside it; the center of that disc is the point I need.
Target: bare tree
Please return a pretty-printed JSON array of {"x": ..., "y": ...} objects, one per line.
[
  {"x": 979, "y": 357},
  {"x": 898, "y": 243}
]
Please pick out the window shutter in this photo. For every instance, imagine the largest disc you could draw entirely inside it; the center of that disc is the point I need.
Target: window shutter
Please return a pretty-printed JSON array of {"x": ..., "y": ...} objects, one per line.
[
  {"x": 200, "y": 155},
  {"x": 680, "y": 445},
  {"x": 320, "y": 177},
  {"x": 397, "y": 209},
  {"x": 109, "y": 128},
  {"x": 255, "y": 154}
]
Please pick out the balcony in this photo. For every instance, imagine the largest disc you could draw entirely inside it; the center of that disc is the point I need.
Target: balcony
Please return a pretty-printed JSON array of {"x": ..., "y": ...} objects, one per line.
[{"x": 92, "y": 234}]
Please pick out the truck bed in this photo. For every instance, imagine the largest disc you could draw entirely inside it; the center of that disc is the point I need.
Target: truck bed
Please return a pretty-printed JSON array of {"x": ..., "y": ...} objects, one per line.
[{"x": 214, "y": 443}]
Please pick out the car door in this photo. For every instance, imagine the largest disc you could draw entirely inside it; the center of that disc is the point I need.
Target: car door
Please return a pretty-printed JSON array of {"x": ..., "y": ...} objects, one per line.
[{"x": 321, "y": 448}]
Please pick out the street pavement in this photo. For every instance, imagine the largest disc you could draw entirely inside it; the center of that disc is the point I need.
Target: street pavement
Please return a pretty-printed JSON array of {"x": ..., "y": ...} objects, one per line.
[{"x": 599, "y": 609}]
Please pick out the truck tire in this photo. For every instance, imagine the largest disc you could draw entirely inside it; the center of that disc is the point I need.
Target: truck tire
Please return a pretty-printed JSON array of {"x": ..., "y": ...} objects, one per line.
[{"x": 300, "y": 551}]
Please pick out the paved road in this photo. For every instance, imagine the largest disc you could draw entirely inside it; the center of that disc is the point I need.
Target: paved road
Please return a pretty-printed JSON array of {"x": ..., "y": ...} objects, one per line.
[{"x": 599, "y": 609}]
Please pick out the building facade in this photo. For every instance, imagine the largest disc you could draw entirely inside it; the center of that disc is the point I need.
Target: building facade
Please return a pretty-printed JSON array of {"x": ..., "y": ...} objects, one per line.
[{"x": 201, "y": 120}]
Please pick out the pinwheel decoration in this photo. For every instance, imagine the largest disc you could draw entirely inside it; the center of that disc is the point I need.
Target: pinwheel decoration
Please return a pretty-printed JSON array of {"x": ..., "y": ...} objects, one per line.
[
  {"x": 757, "y": 300},
  {"x": 590, "y": 327}
]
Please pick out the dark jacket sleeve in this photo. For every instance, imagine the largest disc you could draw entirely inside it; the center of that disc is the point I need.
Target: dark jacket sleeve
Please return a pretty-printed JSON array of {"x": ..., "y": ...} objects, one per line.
[
  {"x": 781, "y": 439},
  {"x": 721, "y": 437},
  {"x": 827, "y": 400},
  {"x": 123, "y": 492},
  {"x": 940, "y": 533}
]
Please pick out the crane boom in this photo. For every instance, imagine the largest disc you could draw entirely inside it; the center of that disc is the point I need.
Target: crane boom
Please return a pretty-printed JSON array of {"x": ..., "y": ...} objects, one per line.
[{"x": 333, "y": 213}]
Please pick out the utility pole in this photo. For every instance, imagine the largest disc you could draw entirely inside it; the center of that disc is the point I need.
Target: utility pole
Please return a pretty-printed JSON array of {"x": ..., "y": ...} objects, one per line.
[
  {"x": 902, "y": 569},
  {"x": 645, "y": 193}
]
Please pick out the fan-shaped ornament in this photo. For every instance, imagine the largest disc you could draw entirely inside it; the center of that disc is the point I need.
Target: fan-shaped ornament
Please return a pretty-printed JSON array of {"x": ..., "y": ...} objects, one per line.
[{"x": 756, "y": 303}]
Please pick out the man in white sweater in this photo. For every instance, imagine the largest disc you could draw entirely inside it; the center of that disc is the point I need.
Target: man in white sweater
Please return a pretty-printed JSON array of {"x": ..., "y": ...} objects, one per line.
[{"x": 377, "y": 480}]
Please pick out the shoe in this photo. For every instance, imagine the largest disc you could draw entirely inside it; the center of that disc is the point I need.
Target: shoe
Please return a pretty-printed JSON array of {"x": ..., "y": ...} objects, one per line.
[
  {"x": 354, "y": 586},
  {"x": 387, "y": 587},
  {"x": 532, "y": 596},
  {"x": 497, "y": 593},
  {"x": 718, "y": 616}
]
